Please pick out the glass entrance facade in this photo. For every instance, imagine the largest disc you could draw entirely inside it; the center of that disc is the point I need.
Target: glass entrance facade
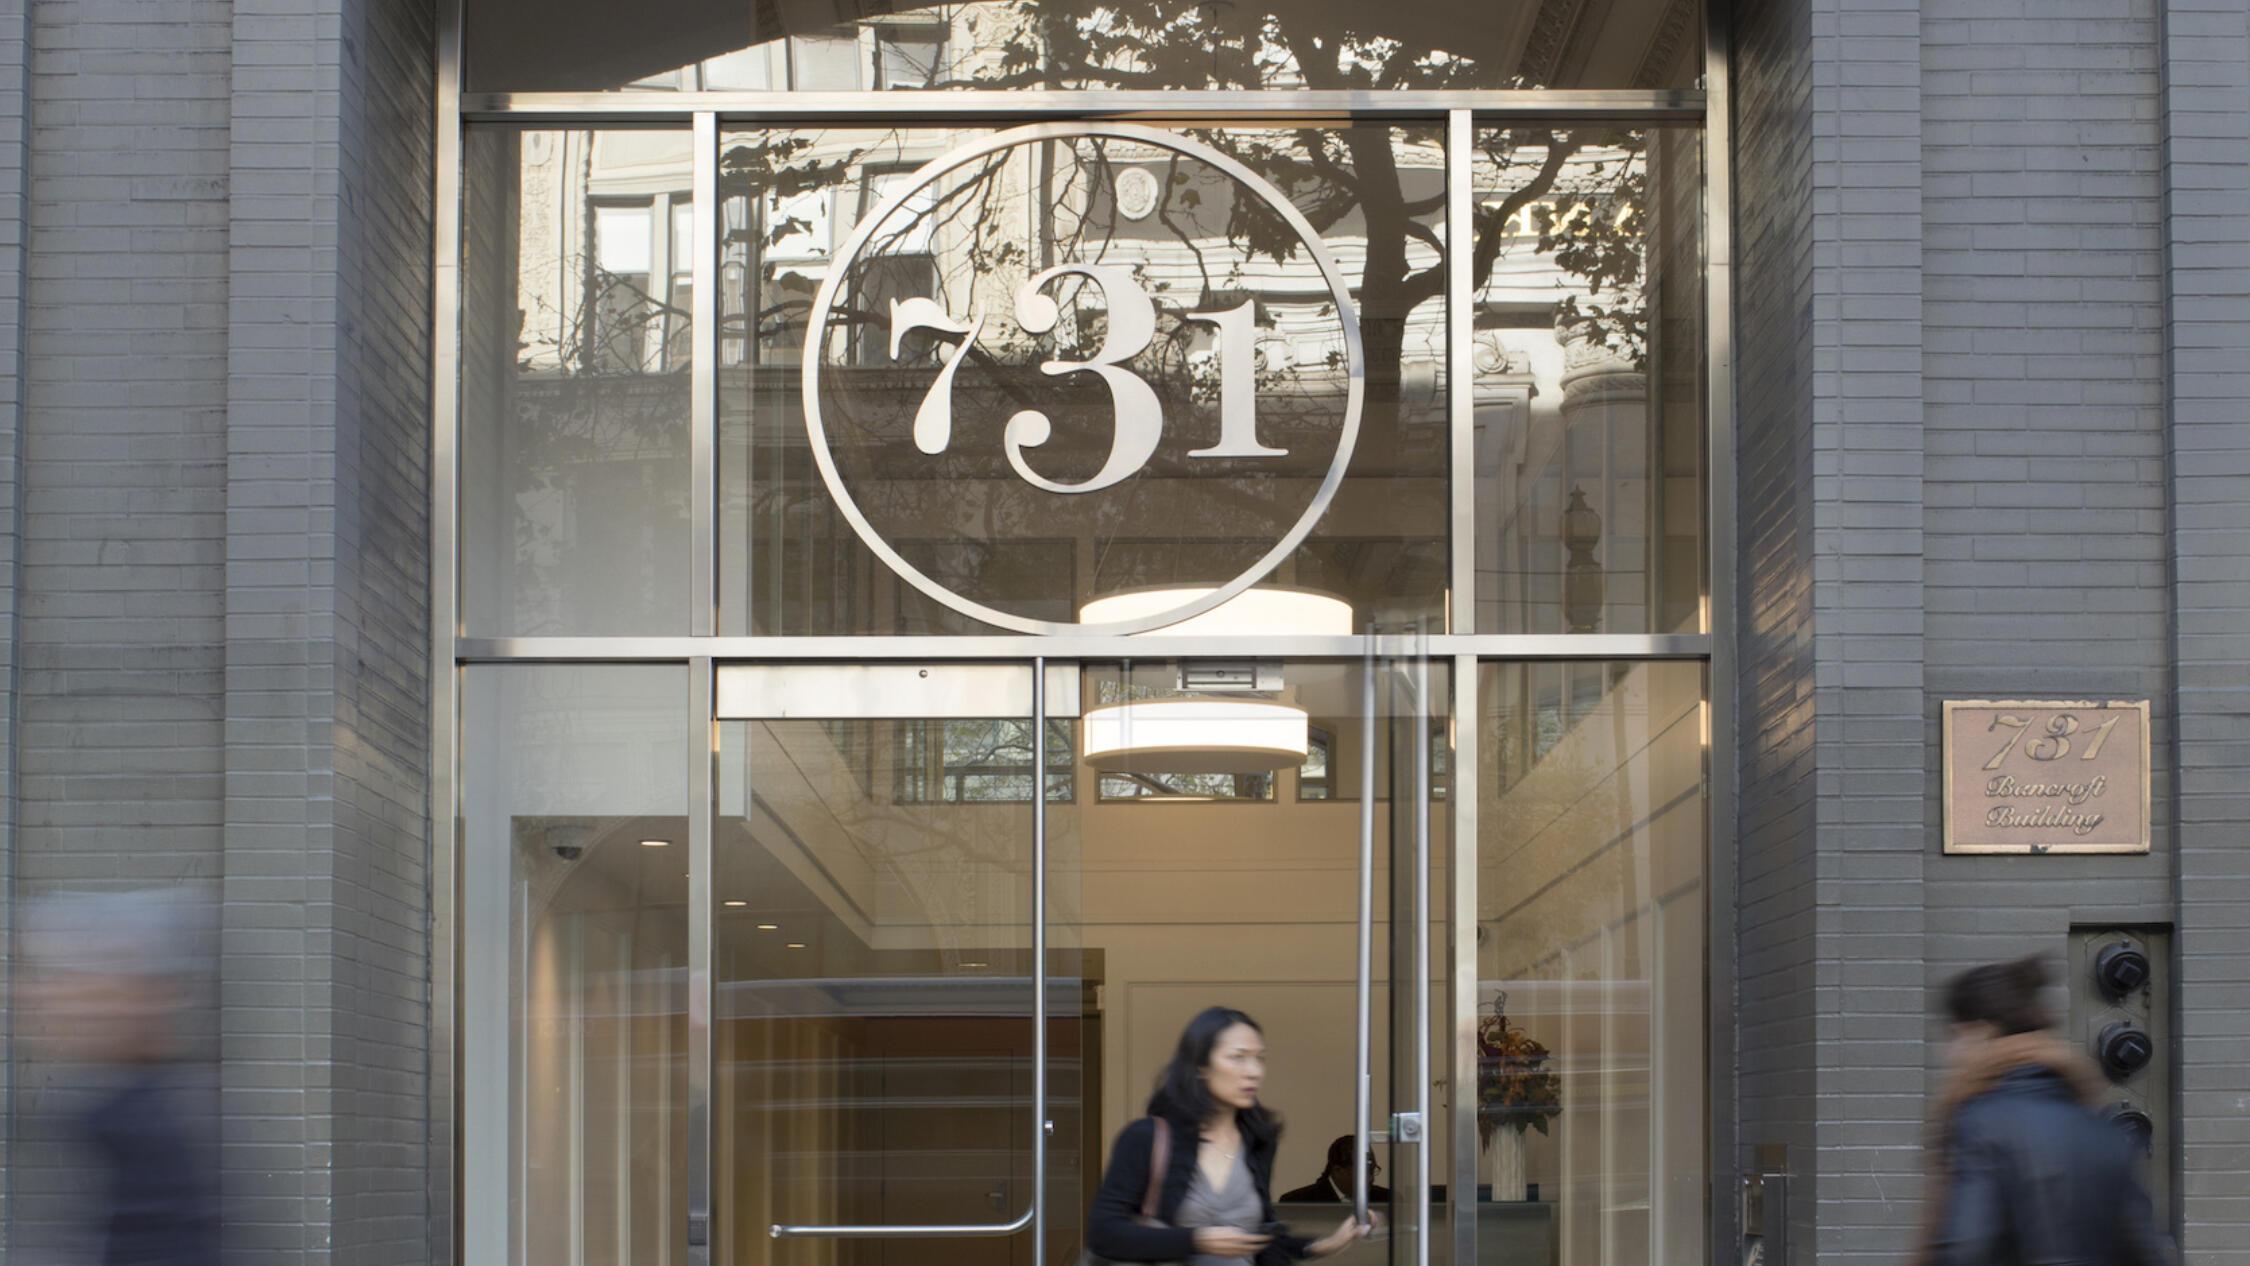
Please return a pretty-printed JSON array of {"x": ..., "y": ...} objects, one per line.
[{"x": 984, "y": 529}]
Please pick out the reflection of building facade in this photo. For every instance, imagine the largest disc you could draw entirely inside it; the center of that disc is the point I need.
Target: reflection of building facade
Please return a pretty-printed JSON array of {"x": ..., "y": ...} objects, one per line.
[{"x": 636, "y": 613}]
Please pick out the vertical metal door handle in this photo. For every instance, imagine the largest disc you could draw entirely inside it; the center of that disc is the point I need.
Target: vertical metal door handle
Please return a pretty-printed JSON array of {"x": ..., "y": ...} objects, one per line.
[{"x": 1361, "y": 1071}]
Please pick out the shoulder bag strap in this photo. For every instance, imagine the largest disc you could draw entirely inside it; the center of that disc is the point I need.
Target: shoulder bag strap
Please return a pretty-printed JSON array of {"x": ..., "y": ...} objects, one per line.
[{"x": 1159, "y": 1164}]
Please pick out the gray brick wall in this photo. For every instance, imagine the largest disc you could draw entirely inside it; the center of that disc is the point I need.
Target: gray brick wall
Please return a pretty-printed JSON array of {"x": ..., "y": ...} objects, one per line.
[
  {"x": 381, "y": 648},
  {"x": 1867, "y": 601},
  {"x": 15, "y": 80},
  {"x": 219, "y": 586},
  {"x": 2205, "y": 125},
  {"x": 1772, "y": 122},
  {"x": 326, "y": 957},
  {"x": 1975, "y": 480},
  {"x": 117, "y": 643},
  {"x": 2044, "y": 515}
]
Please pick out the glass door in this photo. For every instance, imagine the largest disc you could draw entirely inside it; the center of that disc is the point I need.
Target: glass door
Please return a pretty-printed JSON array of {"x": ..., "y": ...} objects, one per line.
[
  {"x": 880, "y": 1043},
  {"x": 904, "y": 852}
]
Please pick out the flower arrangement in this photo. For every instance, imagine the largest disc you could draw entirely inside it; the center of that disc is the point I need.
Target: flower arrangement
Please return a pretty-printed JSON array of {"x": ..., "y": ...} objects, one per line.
[{"x": 1514, "y": 1088}]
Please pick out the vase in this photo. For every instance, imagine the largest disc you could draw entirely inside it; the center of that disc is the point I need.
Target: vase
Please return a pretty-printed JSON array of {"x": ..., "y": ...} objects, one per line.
[{"x": 1504, "y": 1161}]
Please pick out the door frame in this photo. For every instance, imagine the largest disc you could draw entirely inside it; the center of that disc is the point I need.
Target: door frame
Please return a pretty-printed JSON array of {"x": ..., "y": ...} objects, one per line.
[
  {"x": 1042, "y": 689},
  {"x": 452, "y": 1187}
]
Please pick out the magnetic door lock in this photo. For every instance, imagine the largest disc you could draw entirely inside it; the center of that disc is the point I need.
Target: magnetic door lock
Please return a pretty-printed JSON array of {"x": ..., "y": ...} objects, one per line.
[
  {"x": 1406, "y": 1127},
  {"x": 1218, "y": 676}
]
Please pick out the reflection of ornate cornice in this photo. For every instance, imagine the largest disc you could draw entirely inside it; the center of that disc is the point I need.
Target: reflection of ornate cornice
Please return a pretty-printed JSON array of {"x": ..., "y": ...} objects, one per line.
[
  {"x": 1665, "y": 47},
  {"x": 1550, "y": 37}
]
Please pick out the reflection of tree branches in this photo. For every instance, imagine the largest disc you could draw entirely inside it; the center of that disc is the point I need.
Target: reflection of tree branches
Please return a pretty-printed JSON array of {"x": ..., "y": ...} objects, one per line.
[
  {"x": 1171, "y": 225},
  {"x": 1150, "y": 781}
]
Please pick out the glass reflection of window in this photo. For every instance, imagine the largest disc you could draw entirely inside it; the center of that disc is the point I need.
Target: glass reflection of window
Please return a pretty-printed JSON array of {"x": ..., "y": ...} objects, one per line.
[
  {"x": 909, "y": 55},
  {"x": 905, "y": 267},
  {"x": 1589, "y": 382},
  {"x": 1157, "y": 788},
  {"x": 1314, "y": 780},
  {"x": 1557, "y": 697},
  {"x": 782, "y": 255},
  {"x": 1320, "y": 779},
  {"x": 979, "y": 762},
  {"x": 640, "y": 289}
]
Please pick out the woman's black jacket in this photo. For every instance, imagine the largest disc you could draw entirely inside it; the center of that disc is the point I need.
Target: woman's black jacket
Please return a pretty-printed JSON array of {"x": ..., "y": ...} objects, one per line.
[
  {"x": 1113, "y": 1229},
  {"x": 2037, "y": 1179}
]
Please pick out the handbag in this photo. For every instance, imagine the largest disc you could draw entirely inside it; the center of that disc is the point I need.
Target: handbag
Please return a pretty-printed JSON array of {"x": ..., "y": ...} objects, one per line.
[{"x": 1159, "y": 1160}]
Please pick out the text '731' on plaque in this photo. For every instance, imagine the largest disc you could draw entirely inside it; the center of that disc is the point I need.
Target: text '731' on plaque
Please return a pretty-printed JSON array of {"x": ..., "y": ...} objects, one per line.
[{"x": 2046, "y": 776}]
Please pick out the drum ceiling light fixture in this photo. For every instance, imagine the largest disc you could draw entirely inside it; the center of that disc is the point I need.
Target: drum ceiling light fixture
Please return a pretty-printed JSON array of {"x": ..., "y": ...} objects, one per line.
[
  {"x": 1266, "y": 611},
  {"x": 1202, "y": 735},
  {"x": 1196, "y": 736}
]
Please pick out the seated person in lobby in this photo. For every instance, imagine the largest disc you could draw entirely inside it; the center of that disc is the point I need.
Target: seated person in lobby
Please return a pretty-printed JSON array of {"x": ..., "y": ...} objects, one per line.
[{"x": 1334, "y": 1186}]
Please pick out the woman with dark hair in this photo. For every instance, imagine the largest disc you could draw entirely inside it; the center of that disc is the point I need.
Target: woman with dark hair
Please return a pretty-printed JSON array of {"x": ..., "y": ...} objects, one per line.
[
  {"x": 2023, "y": 1169},
  {"x": 1214, "y": 1202}
]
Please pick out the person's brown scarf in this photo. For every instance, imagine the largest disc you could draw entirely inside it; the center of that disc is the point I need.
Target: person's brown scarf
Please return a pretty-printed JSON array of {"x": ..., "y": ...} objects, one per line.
[{"x": 1994, "y": 1060}]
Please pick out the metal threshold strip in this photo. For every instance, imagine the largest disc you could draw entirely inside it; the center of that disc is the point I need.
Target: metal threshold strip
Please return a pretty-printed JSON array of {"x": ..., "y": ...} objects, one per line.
[
  {"x": 1281, "y": 105},
  {"x": 1574, "y": 646}
]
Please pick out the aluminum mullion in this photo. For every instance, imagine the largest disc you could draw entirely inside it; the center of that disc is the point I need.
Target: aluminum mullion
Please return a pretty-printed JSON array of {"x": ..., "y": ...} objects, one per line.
[
  {"x": 1362, "y": 1092},
  {"x": 1461, "y": 796},
  {"x": 703, "y": 757},
  {"x": 442, "y": 1189},
  {"x": 1460, "y": 362},
  {"x": 1420, "y": 677},
  {"x": 1460, "y": 316},
  {"x": 1581, "y": 646},
  {"x": 703, "y": 384},
  {"x": 1721, "y": 1210},
  {"x": 1040, "y": 1125},
  {"x": 1529, "y": 105}
]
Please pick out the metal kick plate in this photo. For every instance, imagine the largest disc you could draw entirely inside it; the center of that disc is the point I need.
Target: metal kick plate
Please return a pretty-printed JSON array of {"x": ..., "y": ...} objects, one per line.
[{"x": 786, "y": 692}]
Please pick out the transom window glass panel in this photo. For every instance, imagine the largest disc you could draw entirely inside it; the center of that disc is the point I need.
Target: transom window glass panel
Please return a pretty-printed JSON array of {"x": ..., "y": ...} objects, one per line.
[
  {"x": 1064, "y": 364},
  {"x": 1589, "y": 366},
  {"x": 1592, "y": 805},
  {"x": 900, "y": 45},
  {"x": 574, "y": 382}
]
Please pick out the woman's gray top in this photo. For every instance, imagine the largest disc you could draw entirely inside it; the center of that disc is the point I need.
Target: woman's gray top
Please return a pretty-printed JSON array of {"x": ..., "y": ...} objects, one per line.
[{"x": 1235, "y": 1203}]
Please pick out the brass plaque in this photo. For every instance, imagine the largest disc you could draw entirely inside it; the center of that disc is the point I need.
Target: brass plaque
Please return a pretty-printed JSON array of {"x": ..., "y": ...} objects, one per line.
[{"x": 2046, "y": 776}]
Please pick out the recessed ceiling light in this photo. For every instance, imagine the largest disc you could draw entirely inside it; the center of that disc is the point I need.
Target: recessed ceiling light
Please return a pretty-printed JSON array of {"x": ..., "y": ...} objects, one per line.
[
  {"x": 976, "y": 964},
  {"x": 796, "y": 945},
  {"x": 656, "y": 843},
  {"x": 769, "y": 927},
  {"x": 734, "y": 903}
]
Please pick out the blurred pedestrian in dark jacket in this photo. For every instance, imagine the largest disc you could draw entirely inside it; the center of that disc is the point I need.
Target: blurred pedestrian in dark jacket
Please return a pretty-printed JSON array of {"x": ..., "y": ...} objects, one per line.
[
  {"x": 108, "y": 982},
  {"x": 2024, "y": 1172}
]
